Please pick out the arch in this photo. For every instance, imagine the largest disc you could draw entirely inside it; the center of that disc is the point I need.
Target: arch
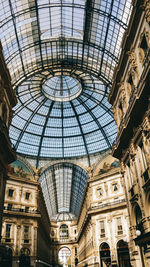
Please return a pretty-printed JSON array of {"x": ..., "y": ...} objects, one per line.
[
  {"x": 6, "y": 256},
  {"x": 69, "y": 161},
  {"x": 24, "y": 258},
  {"x": 135, "y": 208},
  {"x": 137, "y": 217},
  {"x": 104, "y": 157},
  {"x": 64, "y": 254},
  {"x": 21, "y": 168},
  {"x": 26, "y": 163},
  {"x": 60, "y": 174},
  {"x": 105, "y": 255},
  {"x": 123, "y": 254}
]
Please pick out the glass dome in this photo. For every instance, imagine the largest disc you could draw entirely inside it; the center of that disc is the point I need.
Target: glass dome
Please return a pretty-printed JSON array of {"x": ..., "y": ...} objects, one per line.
[
  {"x": 45, "y": 128},
  {"x": 62, "y": 56},
  {"x": 61, "y": 88}
]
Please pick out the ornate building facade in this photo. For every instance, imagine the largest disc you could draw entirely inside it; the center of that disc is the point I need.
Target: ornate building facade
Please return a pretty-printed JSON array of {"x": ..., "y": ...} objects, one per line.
[
  {"x": 130, "y": 99},
  {"x": 103, "y": 222},
  {"x": 25, "y": 220},
  {"x": 7, "y": 101},
  {"x": 99, "y": 237}
]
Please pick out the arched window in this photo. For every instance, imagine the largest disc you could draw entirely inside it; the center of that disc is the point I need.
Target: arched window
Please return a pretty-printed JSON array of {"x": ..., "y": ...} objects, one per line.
[
  {"x": 5, "y": 256},
  {"x": 143, "y": 47},
  {"x": 138, "y": 216},
  {"x": 105, "y": 256},
  {"x": 123, "y": 254},
  {"x": 64, "y": 233},
  {"x": 24, "y": 259},
  {"x": 64, "y": 256}
]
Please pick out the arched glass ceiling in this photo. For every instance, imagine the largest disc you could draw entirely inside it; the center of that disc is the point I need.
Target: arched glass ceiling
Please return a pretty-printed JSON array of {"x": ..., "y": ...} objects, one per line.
[
  {"x": 47, "y": 41},
  {"x": 63, "y": 187},
  {"x": 39, "y": 34}
]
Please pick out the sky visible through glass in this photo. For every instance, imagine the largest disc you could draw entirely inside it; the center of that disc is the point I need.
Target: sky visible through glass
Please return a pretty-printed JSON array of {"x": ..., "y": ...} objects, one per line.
[{"x": 49, "y": 45}]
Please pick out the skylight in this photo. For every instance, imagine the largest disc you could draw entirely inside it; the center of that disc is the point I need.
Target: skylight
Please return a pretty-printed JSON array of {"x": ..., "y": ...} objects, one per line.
[{"x": 61, "y": 56}]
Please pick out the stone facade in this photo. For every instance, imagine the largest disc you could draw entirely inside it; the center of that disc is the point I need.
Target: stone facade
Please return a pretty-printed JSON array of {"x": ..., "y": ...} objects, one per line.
[
  {"x": 130, "y": 99},
  {"x": 103, "y": 220},
  {"x": 26, "y": 223},
  {"x": 61, "y": 240},
  {"x": 7, "y": 101}
]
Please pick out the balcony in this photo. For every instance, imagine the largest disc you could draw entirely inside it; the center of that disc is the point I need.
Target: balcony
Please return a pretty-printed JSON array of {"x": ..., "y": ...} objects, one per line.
[
  {"x": 20, "y": 211},
  {"x": 109, "y": 204},
  {"x": 64, "y": 241}
]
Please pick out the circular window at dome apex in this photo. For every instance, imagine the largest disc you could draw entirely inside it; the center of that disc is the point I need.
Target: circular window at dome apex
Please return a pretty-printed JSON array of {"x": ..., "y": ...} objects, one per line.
[{"x": 61, "y": 88}]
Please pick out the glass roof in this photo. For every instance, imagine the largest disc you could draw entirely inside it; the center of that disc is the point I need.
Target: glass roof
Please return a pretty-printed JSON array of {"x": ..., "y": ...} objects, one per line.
[
  {"x": 61, "y": 88},
  {"x": 63, "y": 187},
  {"x": 61, "y": 55}
]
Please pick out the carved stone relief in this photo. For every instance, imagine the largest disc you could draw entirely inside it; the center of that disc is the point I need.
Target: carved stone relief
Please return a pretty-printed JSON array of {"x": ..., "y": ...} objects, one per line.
[{"x": 147, "y": 10}]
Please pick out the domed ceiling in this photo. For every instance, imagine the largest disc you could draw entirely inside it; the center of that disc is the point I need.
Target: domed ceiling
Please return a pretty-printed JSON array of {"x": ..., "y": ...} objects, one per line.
[{"x": 61, "y": 56}]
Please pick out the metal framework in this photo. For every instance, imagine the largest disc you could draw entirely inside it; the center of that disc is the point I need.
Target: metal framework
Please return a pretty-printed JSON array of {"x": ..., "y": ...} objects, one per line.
[
  {"x": 63, "y": 187},
  {"x": 62, "y": 55}
]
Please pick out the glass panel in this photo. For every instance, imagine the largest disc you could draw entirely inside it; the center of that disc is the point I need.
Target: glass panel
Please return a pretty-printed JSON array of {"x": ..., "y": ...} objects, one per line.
[
  {"x": 63, "y": 188},
  {"x": 64, "y": 53}
]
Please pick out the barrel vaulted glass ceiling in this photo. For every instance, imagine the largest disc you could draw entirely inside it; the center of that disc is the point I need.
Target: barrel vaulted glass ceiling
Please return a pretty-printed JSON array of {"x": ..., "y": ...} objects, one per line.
[
  {"x": 61, "y": 55},
  {"x": 63, "y": 186}
]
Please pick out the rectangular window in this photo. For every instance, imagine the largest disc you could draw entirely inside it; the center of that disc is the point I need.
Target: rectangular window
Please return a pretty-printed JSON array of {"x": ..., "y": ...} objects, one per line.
[
  {"x": 9, "y": 207},
  {"x": 115, "y": 187},
  {"x": 144, "y": 44},
  {"x": 27, "y": 195},
  {"x": 119, "y": 226},
  {"x": 8, "y": 229},
  {"x": 99, "y": 191},
  {"x": 130, "y": 81},
  {"x": 129, "y": 173},
  {"x": 145, "y": 173},
  {"x": 144, "y": 163},
  {"x": 26, "y": 234},
  {"x": 10, "y": 192},
  {"x": 102, "y": 229}
]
